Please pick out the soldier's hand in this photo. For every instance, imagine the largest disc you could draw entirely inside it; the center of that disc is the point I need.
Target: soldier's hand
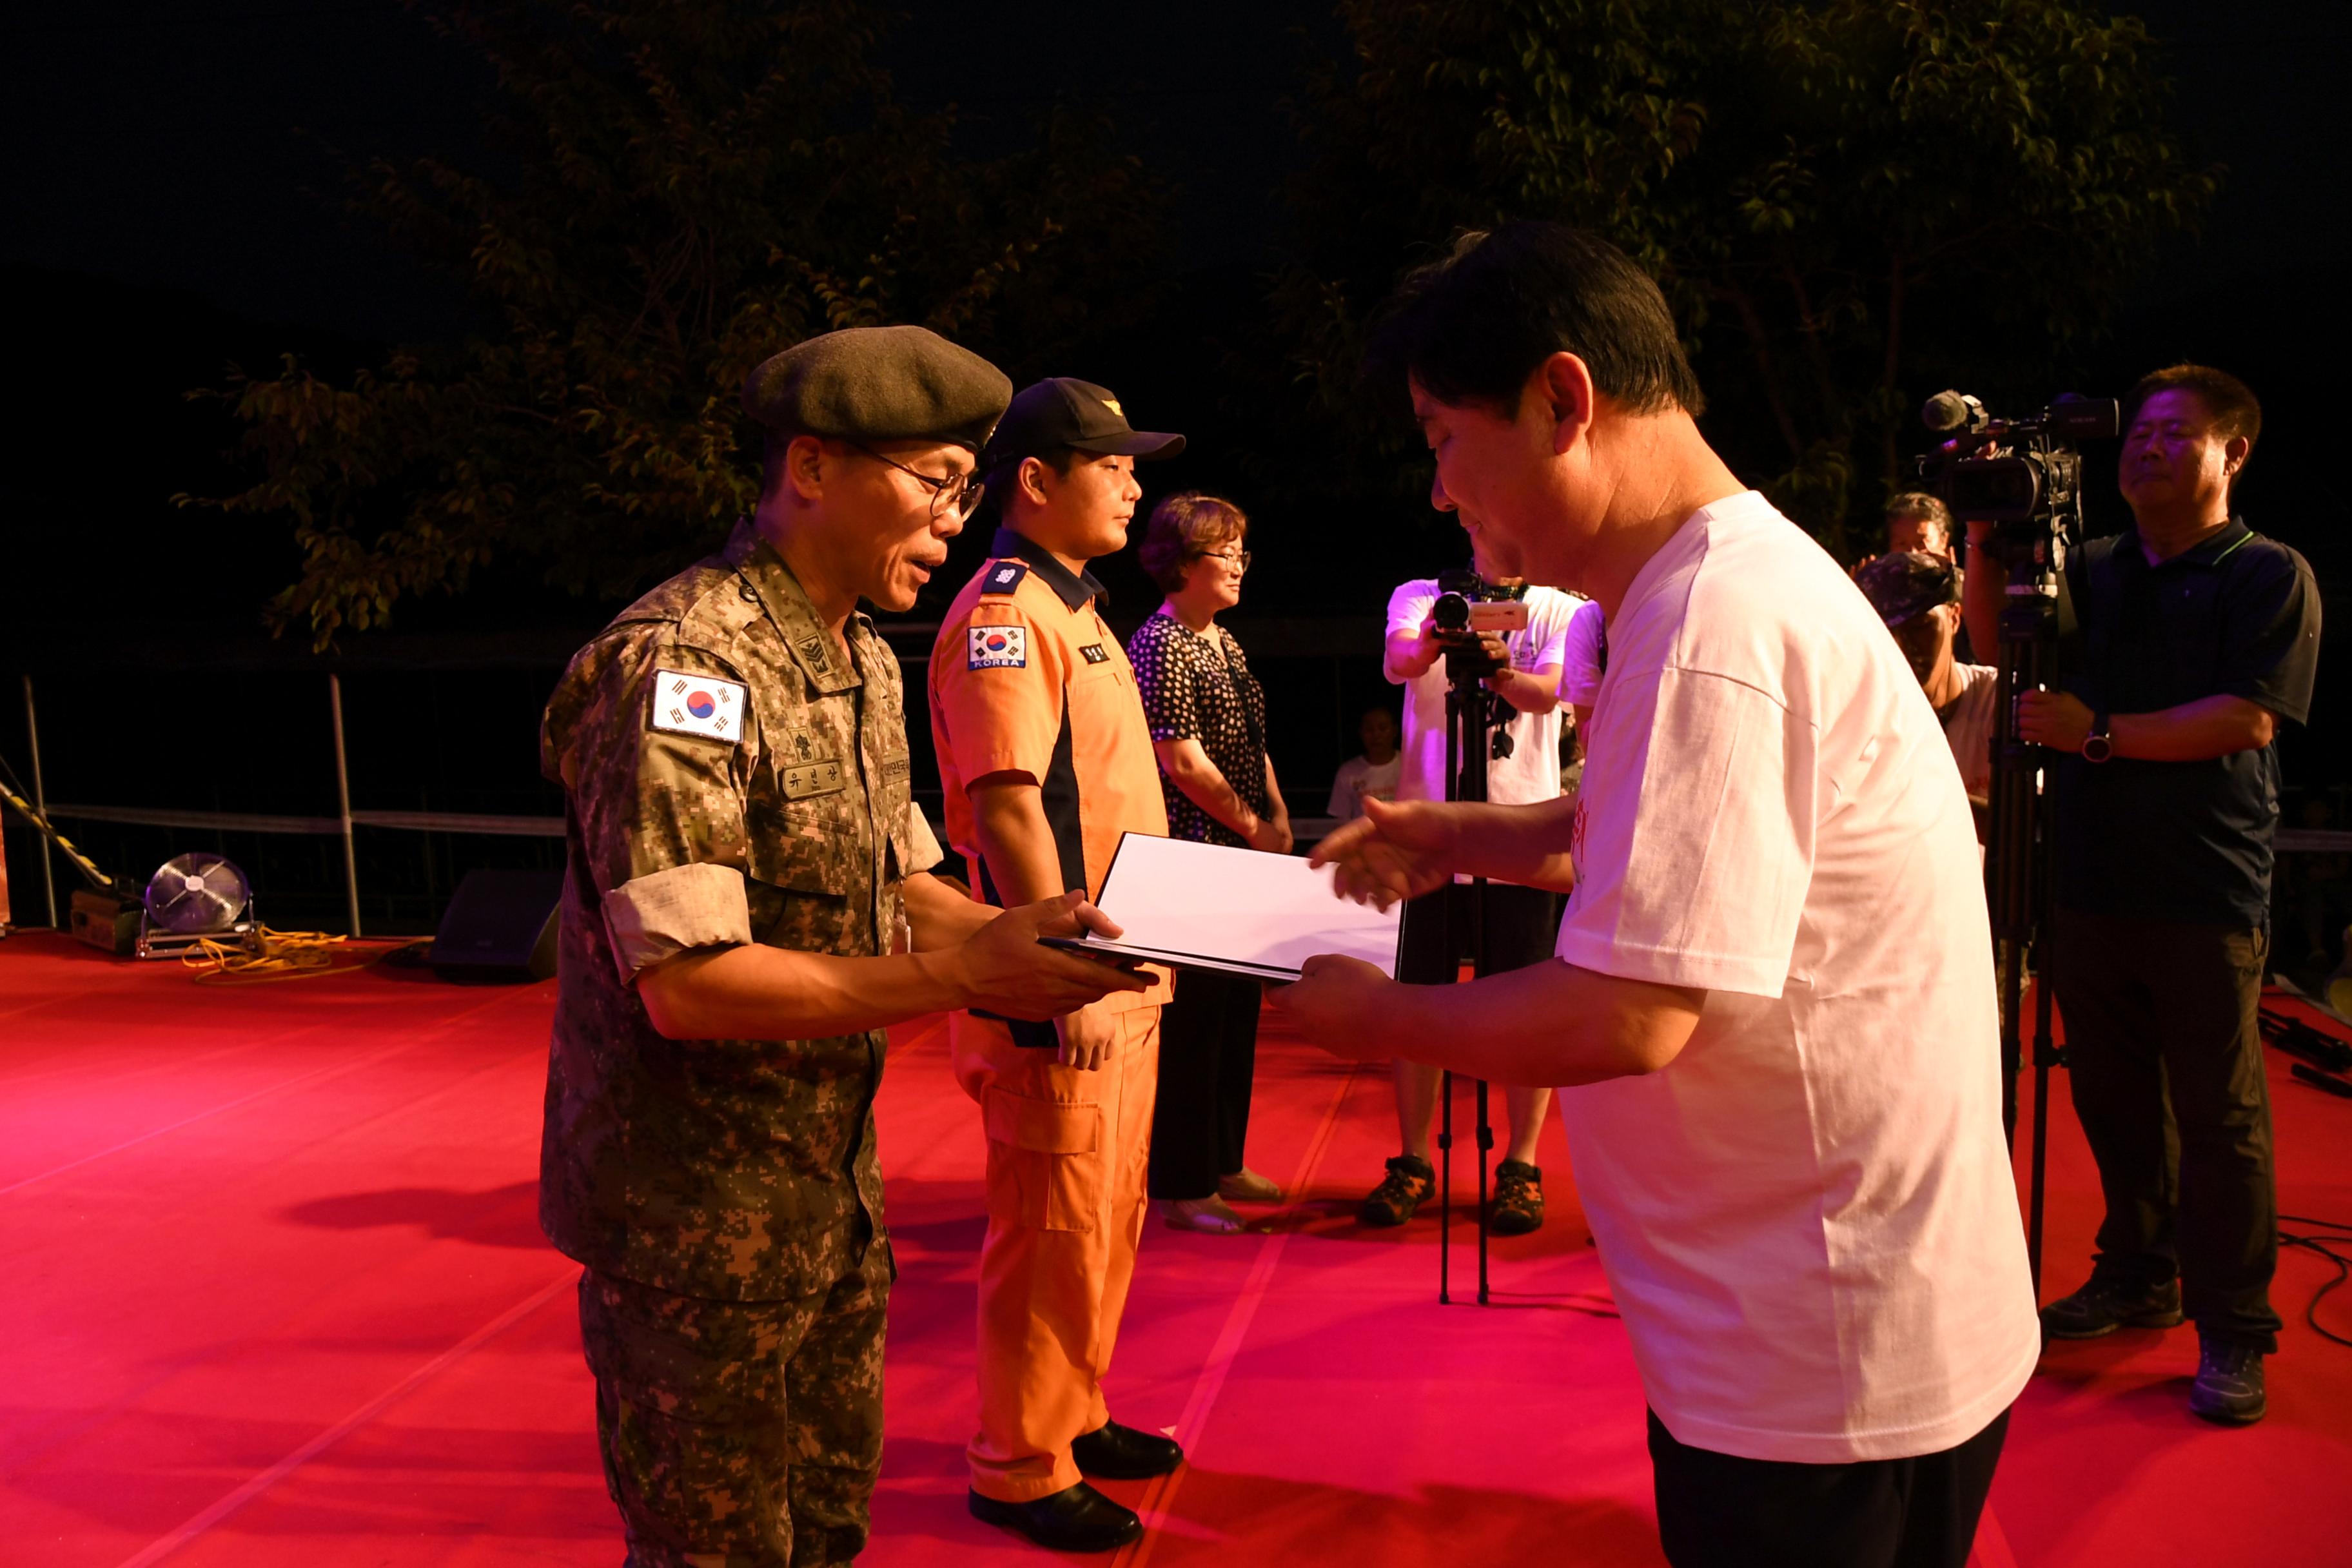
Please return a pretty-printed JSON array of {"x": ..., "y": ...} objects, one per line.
[
  {"x": 1391, "y": 852},
  {"x": 1088, "y": 1037},
  {"x": 1003, "y": 968}
]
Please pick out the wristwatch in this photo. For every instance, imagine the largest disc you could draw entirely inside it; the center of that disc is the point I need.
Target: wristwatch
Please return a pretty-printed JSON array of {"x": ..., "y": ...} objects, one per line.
[{"x": 2096, "y": 745}]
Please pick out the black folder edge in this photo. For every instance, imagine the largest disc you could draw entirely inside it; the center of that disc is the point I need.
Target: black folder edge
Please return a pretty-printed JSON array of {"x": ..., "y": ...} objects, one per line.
[{"x": 1095, "y": 946}]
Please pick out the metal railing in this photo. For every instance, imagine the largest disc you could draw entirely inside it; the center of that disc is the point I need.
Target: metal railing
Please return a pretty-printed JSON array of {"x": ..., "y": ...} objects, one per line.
[{"x": 340, "y": 826}]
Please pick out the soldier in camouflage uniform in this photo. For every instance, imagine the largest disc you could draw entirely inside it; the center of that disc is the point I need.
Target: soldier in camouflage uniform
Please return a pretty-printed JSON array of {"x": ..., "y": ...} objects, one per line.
[{"x": 747, "y": 900}]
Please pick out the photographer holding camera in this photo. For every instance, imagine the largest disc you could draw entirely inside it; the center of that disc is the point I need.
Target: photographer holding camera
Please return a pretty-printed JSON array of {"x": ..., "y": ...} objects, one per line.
[
  {"x": 2194, "y": 637},
  {"x": 1520, "y": 922}
]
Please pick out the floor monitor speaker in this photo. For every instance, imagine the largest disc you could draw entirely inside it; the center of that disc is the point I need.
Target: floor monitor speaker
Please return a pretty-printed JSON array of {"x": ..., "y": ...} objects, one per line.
[{"x": 499, "y": 926}]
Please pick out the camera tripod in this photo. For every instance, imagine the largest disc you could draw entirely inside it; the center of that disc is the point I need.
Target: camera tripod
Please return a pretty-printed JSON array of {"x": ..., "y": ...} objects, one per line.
[
  {"x": 1473, "y": 734},
  {"x": 2018, "y": 877}
]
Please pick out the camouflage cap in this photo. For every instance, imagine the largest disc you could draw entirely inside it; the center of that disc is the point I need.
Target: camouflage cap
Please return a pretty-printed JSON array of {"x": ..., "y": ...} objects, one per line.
[
  {"x": 1907, "y": 584},
  {"x": 879, "y": 384}
]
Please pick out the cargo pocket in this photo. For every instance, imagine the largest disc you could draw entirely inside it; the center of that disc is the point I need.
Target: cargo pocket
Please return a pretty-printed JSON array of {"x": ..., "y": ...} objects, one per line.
[{"x": 1044, "y": 1160}]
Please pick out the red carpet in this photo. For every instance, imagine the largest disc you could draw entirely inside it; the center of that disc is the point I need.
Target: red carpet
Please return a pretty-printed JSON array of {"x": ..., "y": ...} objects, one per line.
[{"x": 277, "y": 1297}]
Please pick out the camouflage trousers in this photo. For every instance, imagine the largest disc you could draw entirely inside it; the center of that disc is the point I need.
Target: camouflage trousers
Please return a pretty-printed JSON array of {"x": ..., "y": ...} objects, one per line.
[{"x": 739, "y": 1434}]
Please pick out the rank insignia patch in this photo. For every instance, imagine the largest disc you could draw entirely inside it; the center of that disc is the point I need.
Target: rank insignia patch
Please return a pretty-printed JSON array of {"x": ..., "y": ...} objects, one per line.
[
  {"x": 999, "y": 647},
  {"x": 689, "y": 704},
  {"x": 1094, "y": 653},
  {"x": 1004, "y": 577}
]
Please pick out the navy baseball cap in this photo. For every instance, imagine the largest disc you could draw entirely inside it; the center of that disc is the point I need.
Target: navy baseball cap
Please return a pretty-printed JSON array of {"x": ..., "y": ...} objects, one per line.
[{"x": 1062, "y": 411}]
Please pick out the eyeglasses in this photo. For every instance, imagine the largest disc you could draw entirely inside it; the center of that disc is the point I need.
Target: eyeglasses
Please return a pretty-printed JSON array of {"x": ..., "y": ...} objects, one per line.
[
  {"x": 957, "y": 493},
  {"x": 1238, "y": 560}
]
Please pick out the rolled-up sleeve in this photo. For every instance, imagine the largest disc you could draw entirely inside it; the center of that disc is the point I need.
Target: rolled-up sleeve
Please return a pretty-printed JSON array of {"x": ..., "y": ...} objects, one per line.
[
  {"x": 665, "y": 913},
  {"x": 661, "y": 814},
  {"x": 923, "y": 851}
]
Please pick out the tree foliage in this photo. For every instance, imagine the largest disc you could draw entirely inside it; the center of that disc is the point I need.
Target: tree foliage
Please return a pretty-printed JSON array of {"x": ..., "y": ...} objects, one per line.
[
  {"x": 1845, "y": 200},
  {"x": 678, "y": 189}
]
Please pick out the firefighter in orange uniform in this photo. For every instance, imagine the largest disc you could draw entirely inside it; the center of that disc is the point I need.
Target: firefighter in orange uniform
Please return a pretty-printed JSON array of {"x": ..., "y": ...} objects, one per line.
[{"x": 1046, "y": 760}]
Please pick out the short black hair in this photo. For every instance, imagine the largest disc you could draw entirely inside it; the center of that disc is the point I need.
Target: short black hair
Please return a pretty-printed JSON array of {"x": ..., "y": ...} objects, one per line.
[
  {"x": 1470, "y": 329},
  {"x": 998, "y": 480}
]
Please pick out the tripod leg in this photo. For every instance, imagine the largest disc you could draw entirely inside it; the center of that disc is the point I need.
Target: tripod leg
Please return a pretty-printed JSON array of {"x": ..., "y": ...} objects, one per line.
[
  {"x": 2045, "y": 1056},
  {"x": 1445, "y": 1183},
  {"x": 1486, "y": 1143}
]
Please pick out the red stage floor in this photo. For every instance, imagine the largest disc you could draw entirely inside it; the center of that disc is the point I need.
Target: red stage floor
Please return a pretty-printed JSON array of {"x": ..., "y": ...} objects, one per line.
[{"x": 278, "y": 1296}]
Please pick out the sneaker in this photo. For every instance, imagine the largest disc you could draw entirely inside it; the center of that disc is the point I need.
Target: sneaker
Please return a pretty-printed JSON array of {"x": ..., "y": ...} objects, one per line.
[
  {"x": 1246, "y": 1187},
  {"x": 2229, "y": 1386},
  {"x": 2105, "y": 1304},
  {"x": 1518, "y": 1199},
  {"x": 1409, "y": 1184}
]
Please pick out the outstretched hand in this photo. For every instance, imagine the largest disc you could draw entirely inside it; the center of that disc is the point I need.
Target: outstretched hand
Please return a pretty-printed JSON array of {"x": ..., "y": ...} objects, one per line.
[
  {"x": 1393, "y": 852},
  {"x": 1002, "y": 967},
  {"x": 1338, "y": 1003}
]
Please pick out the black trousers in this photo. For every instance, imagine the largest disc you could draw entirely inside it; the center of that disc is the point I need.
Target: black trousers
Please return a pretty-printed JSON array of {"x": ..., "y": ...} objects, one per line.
[
  {"x": 2164, "y": 1053},
  {"x": 1716, "y": 1510},
  {"x": 1522, "y": 929},
  {"x": 1208, "y": 1055}
]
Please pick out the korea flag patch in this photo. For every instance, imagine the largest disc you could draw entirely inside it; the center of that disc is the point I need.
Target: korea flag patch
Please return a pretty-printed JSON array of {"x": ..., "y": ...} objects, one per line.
[
  {"x": 689, "y": 704},
  {"x": 999, "y": 647}
]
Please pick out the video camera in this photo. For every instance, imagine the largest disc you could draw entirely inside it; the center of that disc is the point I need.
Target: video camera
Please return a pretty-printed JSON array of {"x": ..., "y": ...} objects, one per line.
[
  {"x": 1468, "y": 608},
  {"x": 2022, "y": 476}
]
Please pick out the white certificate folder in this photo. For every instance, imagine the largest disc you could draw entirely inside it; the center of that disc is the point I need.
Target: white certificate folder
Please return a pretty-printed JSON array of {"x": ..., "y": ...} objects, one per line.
[{"x": 1204, "y": 906}]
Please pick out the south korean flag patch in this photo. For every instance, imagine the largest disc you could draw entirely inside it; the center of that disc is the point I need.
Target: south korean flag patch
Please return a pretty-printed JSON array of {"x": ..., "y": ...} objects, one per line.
[
  {"x": 998, "y": 648},
  {"x": 689, "y": 704}
]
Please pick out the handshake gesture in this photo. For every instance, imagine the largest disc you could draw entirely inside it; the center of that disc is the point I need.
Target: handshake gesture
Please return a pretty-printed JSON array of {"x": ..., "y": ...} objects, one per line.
[{"x": 1393, "y": 852}]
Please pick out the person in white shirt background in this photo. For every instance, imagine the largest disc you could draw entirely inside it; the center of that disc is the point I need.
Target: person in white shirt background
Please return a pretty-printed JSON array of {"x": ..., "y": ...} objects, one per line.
[
  {"x": 1773, "y": 1006},
  {"x": 1520, "y": 922},
  {"x": 1373, "y": 773}
]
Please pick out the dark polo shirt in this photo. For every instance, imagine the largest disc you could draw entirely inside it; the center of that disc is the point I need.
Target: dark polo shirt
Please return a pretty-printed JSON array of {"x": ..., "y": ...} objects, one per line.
[{"x": 2237, "y": 616}]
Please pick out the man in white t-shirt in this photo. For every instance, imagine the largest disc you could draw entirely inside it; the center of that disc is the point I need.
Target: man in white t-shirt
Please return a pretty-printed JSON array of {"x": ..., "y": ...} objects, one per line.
[
  {"x": 1917, "y": 594},
  {"x": 1773, "y": 1012},
  {"x": 1519, "y": 923},
  {"x": 1373, "y": 773}
]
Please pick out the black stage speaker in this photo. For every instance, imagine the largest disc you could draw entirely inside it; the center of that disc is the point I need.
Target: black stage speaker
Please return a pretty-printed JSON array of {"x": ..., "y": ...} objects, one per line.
[{"x": 499, "y": 926}]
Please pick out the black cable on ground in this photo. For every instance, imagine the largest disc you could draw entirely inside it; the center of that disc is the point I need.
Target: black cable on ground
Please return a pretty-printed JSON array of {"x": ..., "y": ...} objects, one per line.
[{"x": 2329, "y": 1230}]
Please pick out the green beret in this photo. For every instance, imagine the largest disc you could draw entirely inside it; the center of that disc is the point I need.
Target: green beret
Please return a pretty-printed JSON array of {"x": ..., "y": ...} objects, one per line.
[{"x": 879, "y": 384}]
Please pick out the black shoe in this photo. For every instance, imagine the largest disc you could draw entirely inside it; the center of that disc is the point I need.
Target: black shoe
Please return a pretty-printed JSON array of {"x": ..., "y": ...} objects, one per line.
[
  {"x": 1075, "y": 1518},
  {"x": 2104, "y": 1305},
  {"x": 1118, "y": 1453},
  {"x": 2229, "y": 1386},
  {"x": 1518, "y": 1199},
  {"x": 1409, "y": 1184}
]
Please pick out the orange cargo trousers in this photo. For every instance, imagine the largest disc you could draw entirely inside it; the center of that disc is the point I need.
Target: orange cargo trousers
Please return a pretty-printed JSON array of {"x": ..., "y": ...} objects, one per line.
[{"x": 1066, "y": 1157}]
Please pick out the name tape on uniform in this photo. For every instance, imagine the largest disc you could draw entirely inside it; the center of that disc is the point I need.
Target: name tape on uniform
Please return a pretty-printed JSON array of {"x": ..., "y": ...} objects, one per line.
[
  {"x": 689, "y": 704},
  {"x": 999, "y": 647},
  {"x": 1094, "y": 653}
]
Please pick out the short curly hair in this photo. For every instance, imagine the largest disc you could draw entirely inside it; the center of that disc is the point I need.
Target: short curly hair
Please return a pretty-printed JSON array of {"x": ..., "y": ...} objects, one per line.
[{"x": 1183, "y": 527}]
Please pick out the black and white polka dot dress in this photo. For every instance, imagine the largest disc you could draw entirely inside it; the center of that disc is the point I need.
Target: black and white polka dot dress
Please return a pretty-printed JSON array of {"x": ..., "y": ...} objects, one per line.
[{"x": 1194, "y": 686}]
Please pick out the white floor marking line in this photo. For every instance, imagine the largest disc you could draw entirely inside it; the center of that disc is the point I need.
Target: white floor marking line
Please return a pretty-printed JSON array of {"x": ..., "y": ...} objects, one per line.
[
  {"x": 164, "y": 1546},
  {"x": 333, "y": 1069},
  {"x": 1162, "y": 1494}
]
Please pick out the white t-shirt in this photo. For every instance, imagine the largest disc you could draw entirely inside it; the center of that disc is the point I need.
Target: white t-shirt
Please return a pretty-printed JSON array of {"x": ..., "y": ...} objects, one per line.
[
  {"x": 1360, "y": 777},
  {"x": 1579, "y": 677},
  {"x": 1531, "y": 772},
  {"x": 1808, "y": 1217},
  {"x": 1968, "y": 726}
]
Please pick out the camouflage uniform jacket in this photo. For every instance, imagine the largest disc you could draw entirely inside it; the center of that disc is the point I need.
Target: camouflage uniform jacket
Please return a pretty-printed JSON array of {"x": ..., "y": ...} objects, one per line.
[{"x": 727, "y": 779}]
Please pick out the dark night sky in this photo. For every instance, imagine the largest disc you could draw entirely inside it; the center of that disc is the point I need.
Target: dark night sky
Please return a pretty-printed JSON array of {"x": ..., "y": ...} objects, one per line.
[
  {"x": 171, "y": 193},
  {"x": 193, "y": 145}
]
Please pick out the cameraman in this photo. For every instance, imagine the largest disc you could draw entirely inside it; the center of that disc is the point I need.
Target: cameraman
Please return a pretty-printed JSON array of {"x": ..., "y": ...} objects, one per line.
[
  {"x": 2194, "y": 636},
  {"x": 1520, "y": 922}
]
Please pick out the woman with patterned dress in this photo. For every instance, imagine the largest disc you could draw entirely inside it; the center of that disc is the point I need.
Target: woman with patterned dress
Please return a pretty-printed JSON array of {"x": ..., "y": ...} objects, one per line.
[{"x": 1207, "y": 714}]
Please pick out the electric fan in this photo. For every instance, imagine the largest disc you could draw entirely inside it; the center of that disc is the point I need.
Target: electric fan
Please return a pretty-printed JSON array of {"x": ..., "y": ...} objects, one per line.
[{"x": 193, "y": 899}]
